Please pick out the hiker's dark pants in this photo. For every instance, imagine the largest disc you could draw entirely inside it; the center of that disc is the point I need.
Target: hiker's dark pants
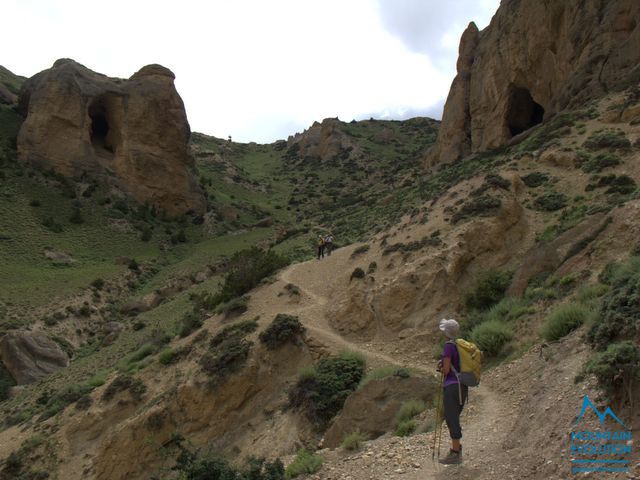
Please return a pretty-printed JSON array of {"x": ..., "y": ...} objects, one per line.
[
  {"x": 329, "y": 247},
  {"x": 453, "y": 408},
  {"x": 320, "y": 251}
]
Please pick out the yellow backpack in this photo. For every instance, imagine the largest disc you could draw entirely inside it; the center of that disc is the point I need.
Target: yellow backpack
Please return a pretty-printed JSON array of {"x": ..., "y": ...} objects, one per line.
[{"x": 470, "y": 362}]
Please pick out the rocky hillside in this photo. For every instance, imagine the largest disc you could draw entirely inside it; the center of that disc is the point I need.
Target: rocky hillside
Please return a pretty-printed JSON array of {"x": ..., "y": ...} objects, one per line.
[
  {"x": 136, "y": 344},
  {"x": 551, "y": 220}
]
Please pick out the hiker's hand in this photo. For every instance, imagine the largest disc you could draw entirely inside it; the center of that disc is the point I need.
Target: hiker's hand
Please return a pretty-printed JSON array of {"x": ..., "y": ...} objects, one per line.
[{"x": 439, "y": 366}]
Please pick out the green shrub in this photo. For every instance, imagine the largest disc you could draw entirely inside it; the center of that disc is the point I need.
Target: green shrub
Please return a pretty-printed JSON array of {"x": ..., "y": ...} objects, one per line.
[
  {"x": 550, "y": 202},
  {"x": 76, "y": 217},
  {"x": 98, "y": 283},
  {"x": 234, "y": 307},
  {"x": 56, "y": 403},
  {"x": 322, "y": 394},
  {"x": 98, "y": 379},
  {"x": 360, "y": 250},
  {"x": 620, "y": 184},
  {"x": 489, "y": 290},
  {"x": 142, "y": 352},
  {"x": 509, "y": 309},
  {"x": 591, "y": 291},
  {"x": 405, "y": 428},
  {"x": 354, "y": 440},
  {"x": 564, "y": 319},
  {"x": 491, "y": 336},
  {"x": 191, "y": 466},
  {"x": 409, "y": 410},
  {"x": 190, "y": 322},
  {"x": 246, "y": 269},
  {"x": 599, "y": 162},
  {"x": 607, "y": 139},
  {"x": 357, "y": 273},
  {"x": 283, "y": 329},
  {"x": 236, "y": 330},
  {"x": 620, "y": 307},
  {"x": 122, "y": 383},
  {"x": 52, "y": 225},
  {"x": 133, "y": 265},
  {"x": 304, "y": 463},
  {"x": 481, "y": 206},
  {"x": 167, "y": 356},
  {"x": 616, "y": 368},
  {"x": 535, "y": 179},
  {"x": 228, "y": 351}
]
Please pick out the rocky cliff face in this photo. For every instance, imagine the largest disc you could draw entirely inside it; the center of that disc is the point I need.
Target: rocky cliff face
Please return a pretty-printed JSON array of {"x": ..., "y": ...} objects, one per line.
[
  {"x": 322, "y": 141},
  {"x": 535, "y": 58},
  {"x": 136, "y": 130}
]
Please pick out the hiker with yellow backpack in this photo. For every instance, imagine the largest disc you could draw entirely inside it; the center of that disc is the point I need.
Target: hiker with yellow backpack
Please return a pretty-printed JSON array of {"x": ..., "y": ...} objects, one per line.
[{"x": 460, "y": 367}]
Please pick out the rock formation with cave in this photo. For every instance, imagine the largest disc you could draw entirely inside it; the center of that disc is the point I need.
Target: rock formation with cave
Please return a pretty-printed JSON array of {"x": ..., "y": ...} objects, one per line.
[
  {"x": 136, "y": 131},
  {"x": 534, "y": 60}
]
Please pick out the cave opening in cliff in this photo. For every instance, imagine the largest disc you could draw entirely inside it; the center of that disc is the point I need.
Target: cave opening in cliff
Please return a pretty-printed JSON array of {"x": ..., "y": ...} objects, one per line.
[
  {"x": 100, "y": 128},
  {"x": 523, "y": 112}
]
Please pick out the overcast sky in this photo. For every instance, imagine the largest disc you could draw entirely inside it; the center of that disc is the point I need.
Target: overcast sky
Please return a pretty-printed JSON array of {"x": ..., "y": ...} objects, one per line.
[{"x": 258, "y": 70}]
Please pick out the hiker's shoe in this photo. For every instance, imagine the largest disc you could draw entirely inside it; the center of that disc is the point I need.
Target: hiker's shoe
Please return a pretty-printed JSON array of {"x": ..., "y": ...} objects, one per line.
[{"x": 453, "y": 458}]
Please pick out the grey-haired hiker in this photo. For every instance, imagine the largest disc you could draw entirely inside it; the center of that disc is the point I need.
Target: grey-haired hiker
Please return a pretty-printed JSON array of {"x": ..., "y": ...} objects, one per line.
[{"x": 454, "y": 393}]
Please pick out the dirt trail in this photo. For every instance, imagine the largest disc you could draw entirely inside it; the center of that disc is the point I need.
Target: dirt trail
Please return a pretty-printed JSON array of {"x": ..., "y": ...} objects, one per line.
[{"x": 485, "y": 420}]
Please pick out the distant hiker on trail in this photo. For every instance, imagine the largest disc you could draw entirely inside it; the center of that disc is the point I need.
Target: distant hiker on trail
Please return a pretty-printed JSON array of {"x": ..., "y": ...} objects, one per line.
[
  {"x": 328, "y": 243},
  {"x": 454, "y": 393},
  {"x": 321, "y": 245}
]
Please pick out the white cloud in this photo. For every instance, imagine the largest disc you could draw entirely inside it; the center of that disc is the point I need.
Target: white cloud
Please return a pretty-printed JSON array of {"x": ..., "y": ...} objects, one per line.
[{"x": 252, "y": 69}]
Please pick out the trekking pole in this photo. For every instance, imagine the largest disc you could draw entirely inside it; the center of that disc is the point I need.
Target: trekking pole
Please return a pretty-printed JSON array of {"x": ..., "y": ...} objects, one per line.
[
  {"x": 441, "y": 413},
  {"x": 437, "y": 432}
]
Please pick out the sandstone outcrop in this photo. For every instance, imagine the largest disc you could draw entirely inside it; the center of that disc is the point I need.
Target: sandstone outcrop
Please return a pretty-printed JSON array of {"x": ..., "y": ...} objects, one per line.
[
  {"x": 533, "y": 60},
  {"x": 30, "y": 356},
  {"x": 323, "y": 141},
  {"x": 136, "y": 130}
]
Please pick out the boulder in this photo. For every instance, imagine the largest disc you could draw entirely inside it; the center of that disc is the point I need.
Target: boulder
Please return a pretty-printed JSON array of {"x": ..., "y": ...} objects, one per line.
[
  {"x": 372, "y": 408},
  {"x": 533, "y": 60},
  {"x": 136, "y": 131},
  {"x": 31, "y": 356}
]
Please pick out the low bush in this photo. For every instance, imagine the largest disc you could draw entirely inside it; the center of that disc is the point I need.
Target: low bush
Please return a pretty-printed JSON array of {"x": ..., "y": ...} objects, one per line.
[
  {"x": 591, "y": 291},
  {"x": 610, "y": 139},
  {"x": 481, "y": 206},
  {"x": 167, "y": 356},
  {"x": 321, "y": 392},
  {"x": 52, "y": 225},
  {"x": 354, "y": 440},
  {"x": 535, "y": 179},
  {"x": 236, "y": 330},
  {"x": 489, "y": 289},
  {"x": 357, "y": 273},
  {"x": 595, "y": 164},
  {"x": 98, "y": 283},
  {"x": 509, "y": 309},
  {"x": 564, "y": 319},
  {"x": 491, "y": 336},
  {"x": 190, "y": 322},
  {"x": 57, "y": 402},
  {"x": 192, "y": 466},
  {"x": 359, "y": 251},
  {"x": 283, "y": 329},
  {"x": 133, "y": 265},
  {"x": 373, "y": 266},
  {"x": 616, "y": 368},
  {"x": 304, "y": 463},
  {"x": 405, "y": 428},
  {"x": 234, "y": 307},
  {"x": 550, "y": 202},
  {"x": 620, "y": 308},
  {"x": 245, "y": 271},
  {"x": 123, "y": 383},
  {"x": 409, "y": 410},
  {"x": 622, "y": 184},
  {"x": 76, "y": 217}
]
